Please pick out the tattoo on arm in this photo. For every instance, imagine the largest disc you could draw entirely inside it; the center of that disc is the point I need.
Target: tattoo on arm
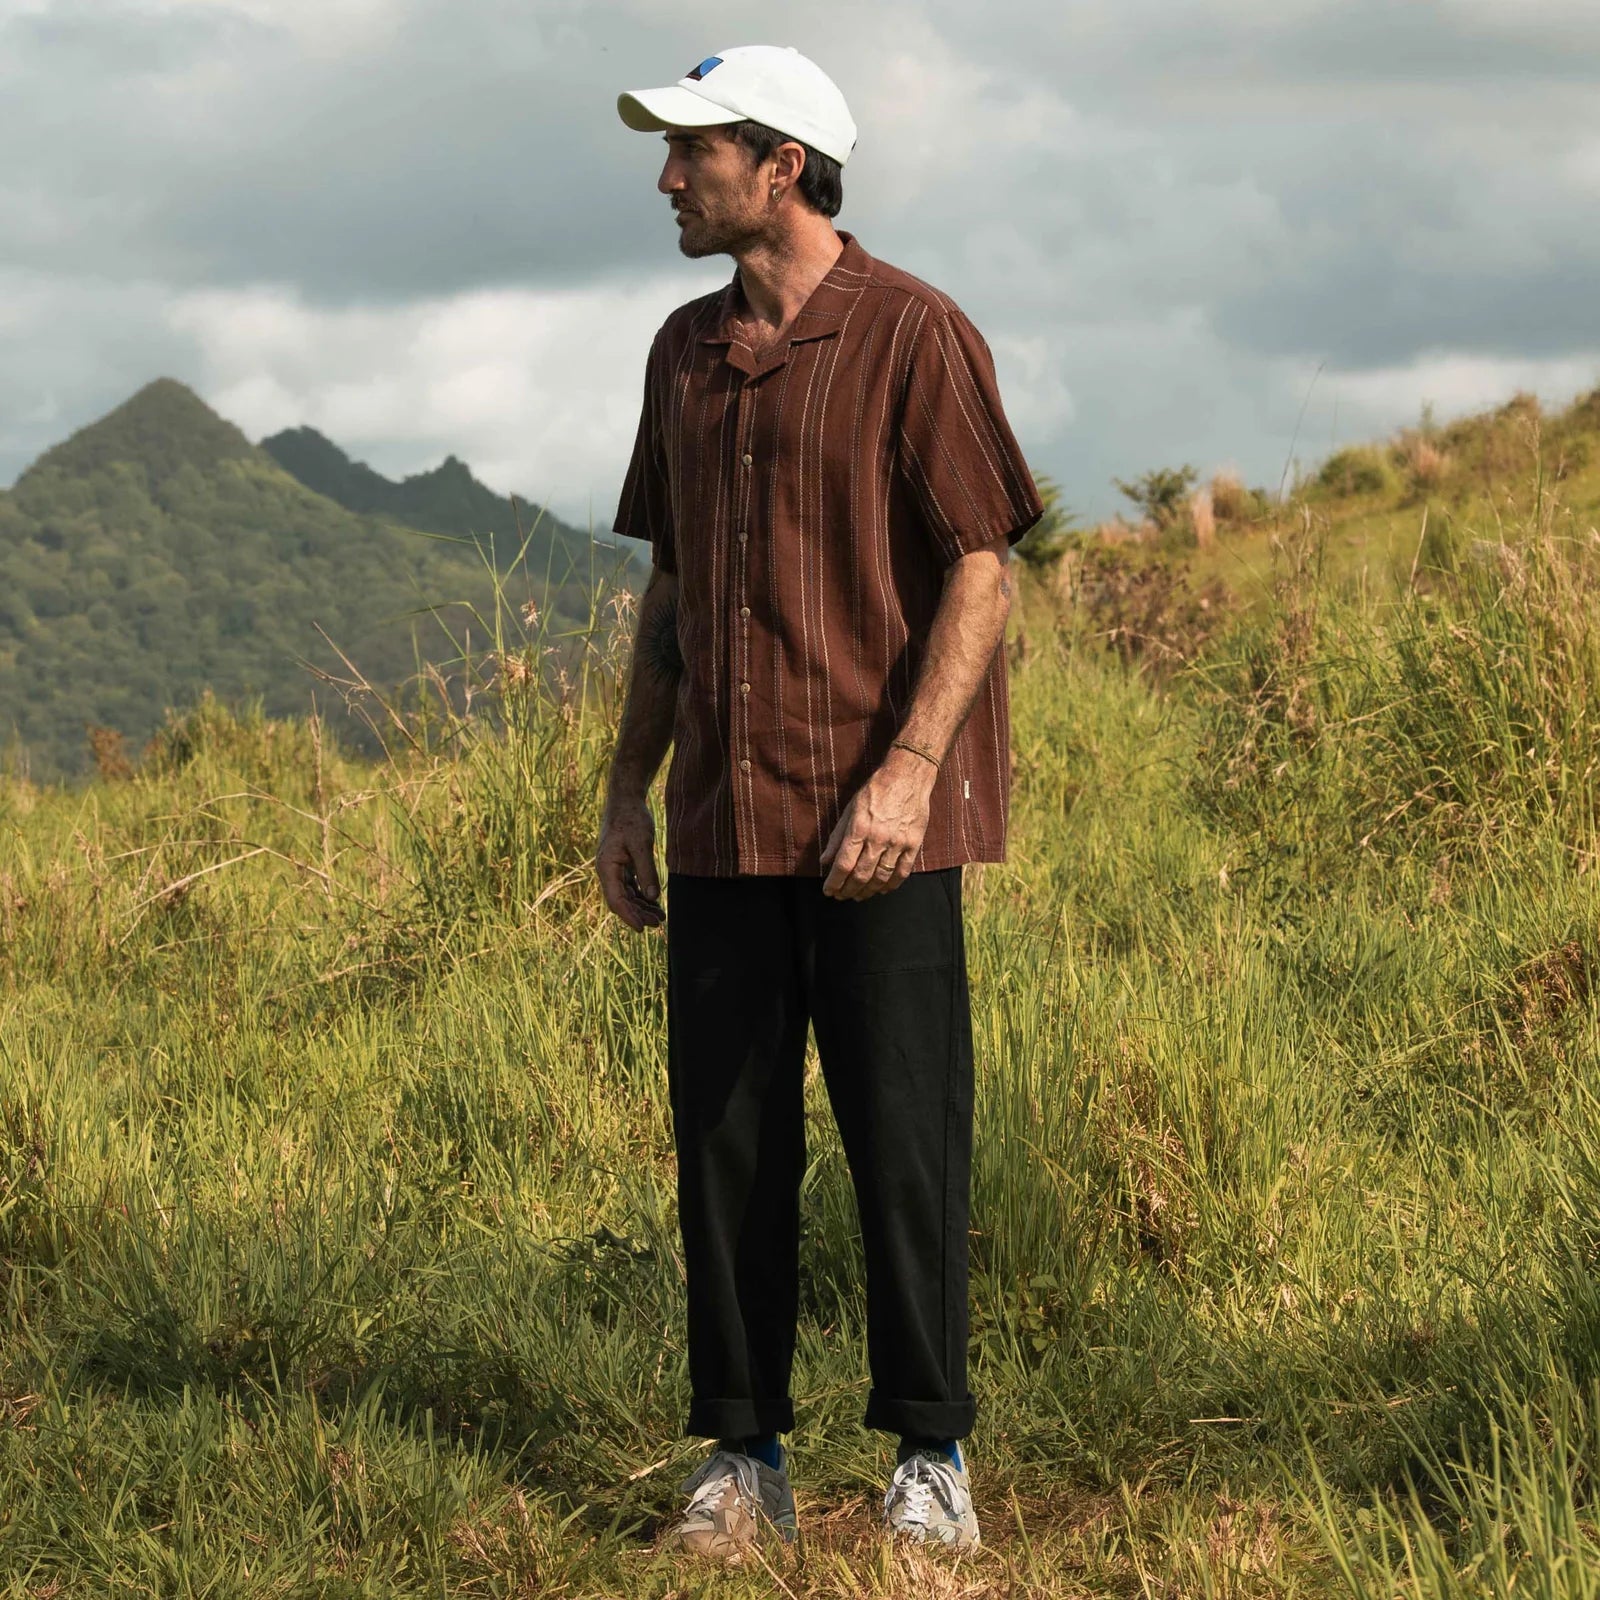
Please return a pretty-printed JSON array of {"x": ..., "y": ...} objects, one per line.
[
  {"x": 659, "y": 654},
  {"x": 1005, "y": 587}
]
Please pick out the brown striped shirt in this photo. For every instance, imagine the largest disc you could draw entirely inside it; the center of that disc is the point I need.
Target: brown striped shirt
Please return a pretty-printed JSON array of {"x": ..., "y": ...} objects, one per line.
[{"x": 810, "y": 499}]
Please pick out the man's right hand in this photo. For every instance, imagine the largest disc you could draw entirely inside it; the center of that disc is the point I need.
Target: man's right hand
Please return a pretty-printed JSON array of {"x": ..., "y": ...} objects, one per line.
[{"x": 626, "y": 864}]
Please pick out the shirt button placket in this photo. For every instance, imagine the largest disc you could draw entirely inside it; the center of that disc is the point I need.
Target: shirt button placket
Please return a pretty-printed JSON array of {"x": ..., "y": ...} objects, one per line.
[{"x": 745, "y": 501}]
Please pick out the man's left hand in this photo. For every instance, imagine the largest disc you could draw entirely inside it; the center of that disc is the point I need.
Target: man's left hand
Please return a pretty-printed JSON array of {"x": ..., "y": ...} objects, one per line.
[{"x": 875, "y": 842}]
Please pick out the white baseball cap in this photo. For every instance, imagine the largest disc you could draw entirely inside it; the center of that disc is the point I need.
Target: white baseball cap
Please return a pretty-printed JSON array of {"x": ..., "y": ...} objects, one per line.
[{"x": 753, "y": 83}]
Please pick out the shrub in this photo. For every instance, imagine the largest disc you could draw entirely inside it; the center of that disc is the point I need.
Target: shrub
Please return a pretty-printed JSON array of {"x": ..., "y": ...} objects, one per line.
[
  {"x": 110, "y": 752},
  {"x": 242, "y": 741},
  {"x": 1584, "y": 412},
  {"x": 1423, "y": 463},
  {"x": 1358, "y": 470},
  {"x": 1048, "y": 540},
  {"x": 1161, "y": 493},
  {"x": 1231, "y": 501},
  {"x": 1141, "y": 605}
]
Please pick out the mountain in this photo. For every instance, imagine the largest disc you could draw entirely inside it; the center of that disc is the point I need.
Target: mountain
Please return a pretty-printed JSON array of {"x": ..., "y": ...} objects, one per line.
[
  {"x": 449, "y": 499},
  {"x": 162, "y": 430},
  {"x": 158, "y": 552}
]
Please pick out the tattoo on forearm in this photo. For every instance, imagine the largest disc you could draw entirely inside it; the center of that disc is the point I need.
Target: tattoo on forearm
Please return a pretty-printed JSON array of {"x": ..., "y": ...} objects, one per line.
[
  {"x": 1005, "y": 587},
  {"x": 658, "y": 650}
]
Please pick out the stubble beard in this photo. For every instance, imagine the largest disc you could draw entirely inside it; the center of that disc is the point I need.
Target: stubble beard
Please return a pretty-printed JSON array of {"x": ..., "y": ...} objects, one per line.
[{"x": 701, "y": 237}]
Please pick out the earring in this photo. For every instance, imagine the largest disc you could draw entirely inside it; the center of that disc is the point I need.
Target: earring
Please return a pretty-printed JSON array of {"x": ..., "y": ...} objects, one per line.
[{"x": 774, "y": 194}]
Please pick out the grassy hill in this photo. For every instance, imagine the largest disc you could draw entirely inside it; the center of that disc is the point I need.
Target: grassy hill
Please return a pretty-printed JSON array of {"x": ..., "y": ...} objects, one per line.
[
  {"x": 1368, "y": 502},
  {"x": 158, "y": 552},
  {"x": 337, "y": 1232},
  {"x": 1200, "y": 555}
]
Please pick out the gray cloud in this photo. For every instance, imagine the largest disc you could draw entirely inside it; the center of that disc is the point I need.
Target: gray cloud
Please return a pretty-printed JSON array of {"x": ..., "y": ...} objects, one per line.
[
  {"x": 446, "y": 151},
  {"x": 1165, "y": 217},
  {"x": 1120, "y": 48}
]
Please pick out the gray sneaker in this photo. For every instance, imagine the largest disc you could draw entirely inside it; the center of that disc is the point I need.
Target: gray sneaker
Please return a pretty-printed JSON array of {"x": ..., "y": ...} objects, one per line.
[
  {"x": 929, "y": 1499},
  {"x": 733, "y": 1498}
]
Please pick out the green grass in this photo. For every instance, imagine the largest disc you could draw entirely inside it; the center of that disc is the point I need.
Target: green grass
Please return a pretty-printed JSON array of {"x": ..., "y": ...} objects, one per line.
[
  {"x": 1372, "y": 506},
  {"x": 336, "y": 1222}
]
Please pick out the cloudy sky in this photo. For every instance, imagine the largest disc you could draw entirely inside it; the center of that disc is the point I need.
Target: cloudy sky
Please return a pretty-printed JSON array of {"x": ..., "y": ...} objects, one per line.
[{"x": 1213, "y": 231}]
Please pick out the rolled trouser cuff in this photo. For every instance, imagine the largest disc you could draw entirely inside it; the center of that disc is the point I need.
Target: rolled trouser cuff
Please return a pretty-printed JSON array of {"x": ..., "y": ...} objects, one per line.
[
  {"x": 921, "y": 1419},
  {"x": 739, "y": 1419}
]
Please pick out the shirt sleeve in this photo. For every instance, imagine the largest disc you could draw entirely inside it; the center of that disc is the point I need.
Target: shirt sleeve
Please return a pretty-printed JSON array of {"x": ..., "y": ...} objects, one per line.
[
  {"x": 644, "y": 510},
  {"x": 958, "y": 458}
]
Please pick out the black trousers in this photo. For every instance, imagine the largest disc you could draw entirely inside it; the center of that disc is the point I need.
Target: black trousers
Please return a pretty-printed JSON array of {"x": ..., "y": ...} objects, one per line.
[{"x": 750, "y": 961}]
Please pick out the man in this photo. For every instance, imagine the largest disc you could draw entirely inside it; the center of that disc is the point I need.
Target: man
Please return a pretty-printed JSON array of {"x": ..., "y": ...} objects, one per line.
[{"x": 829, "y": 487}]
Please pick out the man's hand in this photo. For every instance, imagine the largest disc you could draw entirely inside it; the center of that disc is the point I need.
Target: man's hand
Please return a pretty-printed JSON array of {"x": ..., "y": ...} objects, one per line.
[
  {"x": 876, "y": 839},
  {"x": 626, "y": 864}
]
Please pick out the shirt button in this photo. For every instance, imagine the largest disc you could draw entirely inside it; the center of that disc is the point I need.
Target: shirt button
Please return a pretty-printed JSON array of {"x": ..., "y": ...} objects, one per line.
[
  {"x": 743, "y": 536},
  {"x": 749, "y": 460},
  {"x": 744, "y": 611},
  {"x": 744, "y": 766},
  {"x": 744, "y": 688}
]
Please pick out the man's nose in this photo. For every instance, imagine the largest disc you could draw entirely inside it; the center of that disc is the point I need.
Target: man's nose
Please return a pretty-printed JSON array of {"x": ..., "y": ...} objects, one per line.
[{"x": 671, "y": 180}]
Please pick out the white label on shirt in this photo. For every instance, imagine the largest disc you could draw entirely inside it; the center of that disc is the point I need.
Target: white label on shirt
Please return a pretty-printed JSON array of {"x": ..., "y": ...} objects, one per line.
[{"x": 966, "y": 788}]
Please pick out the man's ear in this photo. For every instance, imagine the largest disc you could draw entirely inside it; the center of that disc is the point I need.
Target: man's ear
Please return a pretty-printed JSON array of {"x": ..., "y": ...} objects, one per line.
[{"x": 789, "y": 161}]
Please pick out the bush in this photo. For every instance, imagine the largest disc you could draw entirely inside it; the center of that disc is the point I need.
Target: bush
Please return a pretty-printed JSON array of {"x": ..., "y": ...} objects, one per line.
[
  {"x": 1359, "y": 470},
  {"x": 1231, "y": 501},
  {"x": 1161, "y": 494},
  {"x": 1141, "y": 605},
  {"x": 239, "y": 740},
  {"x": 1043, "y": 546},
  {"x": 1422, "y": 462}
]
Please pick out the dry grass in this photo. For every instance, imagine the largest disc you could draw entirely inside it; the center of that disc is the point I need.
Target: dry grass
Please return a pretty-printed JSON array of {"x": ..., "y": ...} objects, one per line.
[
  {"x": 1119, "y": 530},
  {"x": 1230, "y": 500},
  {"x": 1425, "y": 465}
]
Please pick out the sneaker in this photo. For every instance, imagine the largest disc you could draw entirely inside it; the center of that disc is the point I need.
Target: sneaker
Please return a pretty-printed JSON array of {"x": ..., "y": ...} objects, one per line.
[
  {"x": 929, "y": 1498},
  {"x": 732, "y": 1497}
]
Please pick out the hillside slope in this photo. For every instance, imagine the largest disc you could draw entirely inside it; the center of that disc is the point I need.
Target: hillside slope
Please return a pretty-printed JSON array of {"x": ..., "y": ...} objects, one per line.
[
  {"x": 447, "y": 499},
  {"x": 158, "y": 552},
  {"x": 1371, "y": 504}
]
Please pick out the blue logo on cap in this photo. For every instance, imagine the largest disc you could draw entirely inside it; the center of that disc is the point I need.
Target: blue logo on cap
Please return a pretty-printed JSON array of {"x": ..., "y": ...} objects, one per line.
[{"x": 704, "y": 67}]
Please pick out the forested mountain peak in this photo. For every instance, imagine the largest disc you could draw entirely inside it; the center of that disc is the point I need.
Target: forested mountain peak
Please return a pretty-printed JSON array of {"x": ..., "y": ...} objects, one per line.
[
  {"x": 162, "y": 429},
  {"x": 321, "y": 465},
  {"x": 157, "y": 552},
  {"x": 447, "y": 498}
]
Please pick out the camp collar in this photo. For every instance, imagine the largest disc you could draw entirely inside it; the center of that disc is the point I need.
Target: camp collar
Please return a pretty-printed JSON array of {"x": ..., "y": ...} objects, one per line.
[{"x": 823, "y": 315}]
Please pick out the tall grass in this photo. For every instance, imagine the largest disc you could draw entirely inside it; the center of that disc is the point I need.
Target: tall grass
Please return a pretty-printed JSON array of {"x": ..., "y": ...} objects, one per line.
[
  {"x": 1460, "y": 717},
  {"x": 336, "y": 1195}
]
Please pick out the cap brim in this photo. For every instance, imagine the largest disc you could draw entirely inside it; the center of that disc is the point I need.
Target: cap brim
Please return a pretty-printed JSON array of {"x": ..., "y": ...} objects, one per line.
[{"x": 654, "y": 110}]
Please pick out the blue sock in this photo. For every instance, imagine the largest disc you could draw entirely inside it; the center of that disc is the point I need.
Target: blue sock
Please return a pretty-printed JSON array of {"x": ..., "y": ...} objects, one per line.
[
  {"x": 765, "y": 1449},
  {"x": 951, "y": 1448}
]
